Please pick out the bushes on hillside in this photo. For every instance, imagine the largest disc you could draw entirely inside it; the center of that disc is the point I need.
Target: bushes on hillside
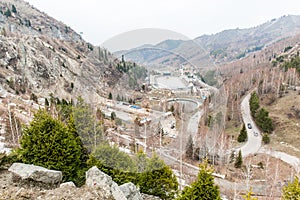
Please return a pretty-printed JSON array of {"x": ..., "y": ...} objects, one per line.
[
  {"x": 152, "y": 175},
  {"x": 260, "y": 115},
  {"x": 49, "y": 143}
]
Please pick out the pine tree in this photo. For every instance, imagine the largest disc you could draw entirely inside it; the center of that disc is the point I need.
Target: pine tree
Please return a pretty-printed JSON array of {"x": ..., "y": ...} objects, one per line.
[
  {"x": 243, "y": 135},
  {"x": 13, "y": 8},
  {"x": 189, "y": 149},
  {"x": 292, "y": 190},
  {"x": 263, "y": 121},
  {"x": 239, "y": 160},
  {"x": 254, "y": 103},
  {"x": 110, "y": 96},
  {"x": 7, "y": 13},
  {"x": 47, "y": 142},
  {"x": 113, "y": 116},
  {"x": 203, "y": 188},
  {"x": 158, "y": 179}
]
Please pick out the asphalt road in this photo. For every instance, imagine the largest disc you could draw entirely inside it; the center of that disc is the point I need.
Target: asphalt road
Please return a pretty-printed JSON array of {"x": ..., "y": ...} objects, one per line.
[{"x": 253, "y": 143}]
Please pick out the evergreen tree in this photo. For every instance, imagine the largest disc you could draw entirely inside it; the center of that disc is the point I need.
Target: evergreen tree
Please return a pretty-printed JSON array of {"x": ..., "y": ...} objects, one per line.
[
  {"x": 47, "y": 142},
  {"x": 239, "y": 160},
  {"x": 254, "y": 103},
  {"x": 292, "y": 190},
  {"x": 110, "y": 96},
  {"x": 113, "y": 116},
  {"x": 189, "y": 149},
  {"x": 13, "y": 8},
  {"x": 243, "y": 135},
  {"x": 158, "y": 179},
  {"x": 263, "y": 121},
  {"x": 7, "y": 13},
  {"x": 203, "y": 188}
]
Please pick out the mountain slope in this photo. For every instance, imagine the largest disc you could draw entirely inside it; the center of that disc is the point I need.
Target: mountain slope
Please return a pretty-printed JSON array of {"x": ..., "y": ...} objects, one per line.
[
  {"x": 40, "y": 55},
  {"x": 208, "y": 50}
]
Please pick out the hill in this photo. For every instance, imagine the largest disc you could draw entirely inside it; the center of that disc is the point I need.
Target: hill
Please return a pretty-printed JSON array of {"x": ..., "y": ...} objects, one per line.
[
  {"x": 40, "y": 55},
  {"x": 220, "y": 48}
]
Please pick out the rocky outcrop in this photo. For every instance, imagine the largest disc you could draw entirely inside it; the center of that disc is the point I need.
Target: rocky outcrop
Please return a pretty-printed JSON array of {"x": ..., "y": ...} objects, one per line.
[
  {"x": 97, "y": 179},
  {"x": 130, "y": 191},
  {"x": 28, "y": 180},
  {"x": 30, "y": 173}
]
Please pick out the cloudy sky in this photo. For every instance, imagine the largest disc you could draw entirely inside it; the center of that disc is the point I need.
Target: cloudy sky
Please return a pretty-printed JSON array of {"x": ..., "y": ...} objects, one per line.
[{"x": 101, "y": 20}]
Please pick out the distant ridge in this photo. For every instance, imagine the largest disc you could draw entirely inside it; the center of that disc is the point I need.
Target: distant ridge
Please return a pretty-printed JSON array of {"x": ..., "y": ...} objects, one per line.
[{"x": 215, "y": 49}]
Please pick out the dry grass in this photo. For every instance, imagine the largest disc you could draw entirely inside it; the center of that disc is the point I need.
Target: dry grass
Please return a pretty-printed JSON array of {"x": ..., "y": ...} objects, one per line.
[{"x": 286, "y": 136}]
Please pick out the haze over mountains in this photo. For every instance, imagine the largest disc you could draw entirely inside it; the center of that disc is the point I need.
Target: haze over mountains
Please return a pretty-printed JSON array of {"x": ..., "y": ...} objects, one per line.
[{"x": 210, "y": 50}]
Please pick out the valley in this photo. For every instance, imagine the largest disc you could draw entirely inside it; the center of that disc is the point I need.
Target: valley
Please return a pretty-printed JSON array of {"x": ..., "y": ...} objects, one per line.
[{"x": 226, "y": 105}]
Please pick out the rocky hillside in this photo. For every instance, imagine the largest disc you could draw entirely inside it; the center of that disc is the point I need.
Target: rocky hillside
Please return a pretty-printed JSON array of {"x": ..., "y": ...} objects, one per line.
[
  {"x": 210, "y": 50},
  {"x": 22, "y": 181},
  {"x": 40, "y": 55}
]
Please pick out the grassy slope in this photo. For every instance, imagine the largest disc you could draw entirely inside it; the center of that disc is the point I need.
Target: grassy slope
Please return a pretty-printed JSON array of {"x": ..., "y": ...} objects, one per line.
[{"x": 286, "y": 136}]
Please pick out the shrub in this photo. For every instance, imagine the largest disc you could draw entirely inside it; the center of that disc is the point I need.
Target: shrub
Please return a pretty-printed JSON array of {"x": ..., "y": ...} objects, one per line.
[
  {"x": 47, "y": 142},
  {"x": 266, "y": 138}
]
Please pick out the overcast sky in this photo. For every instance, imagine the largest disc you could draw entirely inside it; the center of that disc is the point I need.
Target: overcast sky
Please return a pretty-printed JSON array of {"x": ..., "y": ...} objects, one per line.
[{"x": 101, "y": 20}]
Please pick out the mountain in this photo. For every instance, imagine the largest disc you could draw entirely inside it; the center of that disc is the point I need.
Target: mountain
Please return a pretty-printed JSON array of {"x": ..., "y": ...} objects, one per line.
[
  {"x": 212, "y": 50},
  {"x": 40, "y": 55}
]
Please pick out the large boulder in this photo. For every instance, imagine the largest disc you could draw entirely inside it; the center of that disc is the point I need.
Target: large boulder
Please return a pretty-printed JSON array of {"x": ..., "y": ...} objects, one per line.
[
  {"x": 97, "y": 179},
  {"x": 37, "y": 174},
  {"x": 130, "y": 191}
]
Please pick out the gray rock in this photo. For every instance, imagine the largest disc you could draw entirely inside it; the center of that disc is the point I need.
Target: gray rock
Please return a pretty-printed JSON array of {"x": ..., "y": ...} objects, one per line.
[
  {"x": 149, "y": 197},
  {"x": 67, "y": 184},
  {"x": 97, "y": 179},
  {"x": 35, "y": 173},
  {"x": 130, "y": 191}
]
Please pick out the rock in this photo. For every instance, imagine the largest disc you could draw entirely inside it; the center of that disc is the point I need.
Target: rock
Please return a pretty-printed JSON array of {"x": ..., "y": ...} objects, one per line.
[
  {"x": 130, "y": 191},
  {"x": 35, "y": 173},
  {"x": 67, "y": 185},
  {"x": 149, "y": 197},
  {"x": 97, "y": 179}
]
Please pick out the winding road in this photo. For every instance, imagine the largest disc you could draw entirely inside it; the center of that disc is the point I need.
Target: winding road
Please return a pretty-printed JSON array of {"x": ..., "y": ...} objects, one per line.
[{"x": 253, "y": 143}]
